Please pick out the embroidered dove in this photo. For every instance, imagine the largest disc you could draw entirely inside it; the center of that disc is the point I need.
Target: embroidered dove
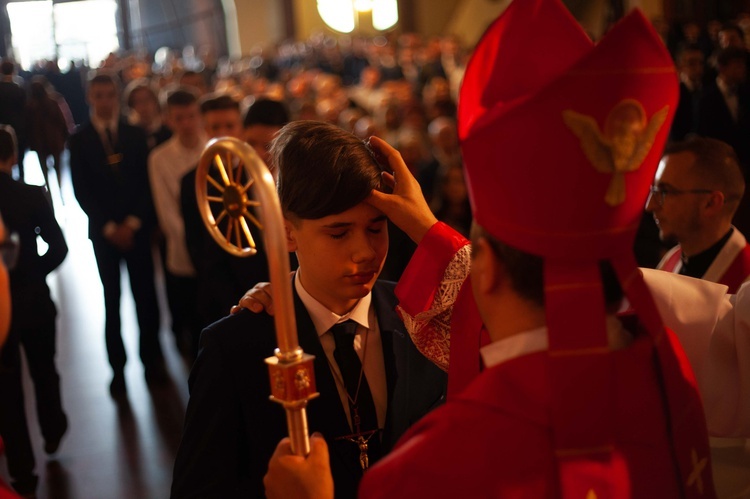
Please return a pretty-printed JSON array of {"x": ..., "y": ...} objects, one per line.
[{"x": 622, "y": 146}]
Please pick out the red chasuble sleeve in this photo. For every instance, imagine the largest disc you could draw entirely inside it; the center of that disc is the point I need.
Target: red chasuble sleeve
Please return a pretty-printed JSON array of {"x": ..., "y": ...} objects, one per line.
[{"x": 437, "y": 305}]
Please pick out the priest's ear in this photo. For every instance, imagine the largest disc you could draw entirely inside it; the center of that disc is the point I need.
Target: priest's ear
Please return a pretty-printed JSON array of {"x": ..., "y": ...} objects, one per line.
[
  {"x": 500, "y": 267},
  {"x": 487, "y": 269}
]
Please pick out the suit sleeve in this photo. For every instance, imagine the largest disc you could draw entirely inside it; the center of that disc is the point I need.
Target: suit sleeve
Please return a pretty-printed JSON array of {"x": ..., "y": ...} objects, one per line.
[
  {"x": 83, "y": 182},
  {"x": 194, "y": 231},
  {"x": 50, "y": 231},
  {"x": 143, "y": 204},
  {"x": 208, "y": 458}
]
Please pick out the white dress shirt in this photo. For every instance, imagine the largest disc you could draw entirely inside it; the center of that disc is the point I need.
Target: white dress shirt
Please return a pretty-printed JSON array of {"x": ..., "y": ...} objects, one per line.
[
  {"x": 167, "y": 164},
  {"x": 730, "y": 97},
  {"x": 535, "y": 340},
  {"x": 364, "y": 315}
]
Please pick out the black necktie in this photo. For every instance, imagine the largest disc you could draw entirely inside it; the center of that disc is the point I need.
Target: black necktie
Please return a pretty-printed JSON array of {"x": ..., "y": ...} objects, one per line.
[
  {"x": 351, "y": 367},
  {"x": 110, "y": 140}
]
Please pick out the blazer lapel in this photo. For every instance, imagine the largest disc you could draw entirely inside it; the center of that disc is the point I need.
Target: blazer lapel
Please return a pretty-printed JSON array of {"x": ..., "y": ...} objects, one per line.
[{"x": 393, "y": 336}]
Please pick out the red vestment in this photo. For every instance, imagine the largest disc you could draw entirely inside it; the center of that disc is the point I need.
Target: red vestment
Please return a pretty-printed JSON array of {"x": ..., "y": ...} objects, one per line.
[
  {"x": 5, "y": 491},
  {"x": 499, "y": 424},
  {"x": 731, "y": 267},
  {"x": 495, "y": 439}
]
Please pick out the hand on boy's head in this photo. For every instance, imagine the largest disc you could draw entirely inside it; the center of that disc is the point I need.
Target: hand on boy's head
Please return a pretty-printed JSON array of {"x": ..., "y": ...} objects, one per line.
[
  {"x": 406, "y": 207},
  {"x": 300, "y": 477},
  {"x": 256, "y": 299}
]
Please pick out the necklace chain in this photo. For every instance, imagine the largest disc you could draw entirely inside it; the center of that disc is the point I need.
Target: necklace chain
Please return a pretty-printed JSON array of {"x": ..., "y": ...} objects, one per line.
[{"x": 339, "y": 380}]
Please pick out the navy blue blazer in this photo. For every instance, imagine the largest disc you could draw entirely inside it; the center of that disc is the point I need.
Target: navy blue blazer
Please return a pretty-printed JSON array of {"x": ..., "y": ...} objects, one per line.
[
  {"x": 111, "y": 192},
  {"x": 231, "y": 428},
  {"x": 27, "y": 211}
]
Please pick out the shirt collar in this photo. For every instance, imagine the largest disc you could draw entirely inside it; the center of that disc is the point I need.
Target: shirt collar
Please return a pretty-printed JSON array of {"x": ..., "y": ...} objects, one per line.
[
  {"x": 697, "y": 265},
  {"x": 691, "y": 85},
  {"x": 100, "y": 125},
  {"x": 535, "y": 340},
  {"x": 323, "y": 318},
  {"x": 725, "y": 89}
]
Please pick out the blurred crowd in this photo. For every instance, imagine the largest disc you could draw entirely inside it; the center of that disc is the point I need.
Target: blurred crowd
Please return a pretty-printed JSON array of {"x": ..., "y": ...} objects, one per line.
[{"x": 402, "y": 88}]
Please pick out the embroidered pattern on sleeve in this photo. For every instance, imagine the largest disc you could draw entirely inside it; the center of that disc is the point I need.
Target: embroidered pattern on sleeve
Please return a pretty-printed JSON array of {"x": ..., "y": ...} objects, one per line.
[{"x": 431, "y": 330}]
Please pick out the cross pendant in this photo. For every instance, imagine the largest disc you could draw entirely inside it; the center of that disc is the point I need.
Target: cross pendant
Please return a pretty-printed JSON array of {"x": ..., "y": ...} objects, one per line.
[
  {"x": 360, "y": 438},
  {"x": 364, "y": 460}
]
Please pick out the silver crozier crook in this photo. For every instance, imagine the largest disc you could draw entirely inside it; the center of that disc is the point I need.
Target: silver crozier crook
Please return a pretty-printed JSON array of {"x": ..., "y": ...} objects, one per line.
[{"x": 221, "y": 165}]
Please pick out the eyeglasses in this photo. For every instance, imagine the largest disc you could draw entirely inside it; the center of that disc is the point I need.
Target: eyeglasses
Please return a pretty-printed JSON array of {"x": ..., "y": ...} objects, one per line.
[
  {"x": 660, "y": 193},
  {"x": 9, "y": 250}
]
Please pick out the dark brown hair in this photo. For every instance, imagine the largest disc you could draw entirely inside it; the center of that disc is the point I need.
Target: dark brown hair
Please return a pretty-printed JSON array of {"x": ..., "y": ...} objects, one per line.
[
  {"x": 526, "y": 271},
  {"x": 323, "y": 169},
  {"x": 716, "y": 165},
  {"x": 218, "y": 102}
]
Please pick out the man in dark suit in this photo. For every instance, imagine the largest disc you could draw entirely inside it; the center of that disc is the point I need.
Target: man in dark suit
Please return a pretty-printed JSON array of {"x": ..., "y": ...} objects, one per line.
[
  {"x": 690, "y": 63},
  {"x": 27, "y": 213},
  {"x": 13, "y": 107},
  {"x": 724, "y": 109},
  {"x": 110, "y": 178},
  {"x": 377, "y": 384}
]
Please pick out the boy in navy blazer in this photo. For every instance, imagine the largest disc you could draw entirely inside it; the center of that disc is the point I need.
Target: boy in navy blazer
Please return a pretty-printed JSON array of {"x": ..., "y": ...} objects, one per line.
[{"x": 231, "y": 428}]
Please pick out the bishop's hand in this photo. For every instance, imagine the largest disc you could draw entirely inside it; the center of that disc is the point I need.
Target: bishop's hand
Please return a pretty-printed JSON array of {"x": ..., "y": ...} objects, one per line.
[{"x": 406, "y": 207}]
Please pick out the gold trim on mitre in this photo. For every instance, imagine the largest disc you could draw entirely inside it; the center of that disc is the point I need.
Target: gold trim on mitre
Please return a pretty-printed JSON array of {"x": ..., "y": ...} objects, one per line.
[{"x": 622, "y": 146}]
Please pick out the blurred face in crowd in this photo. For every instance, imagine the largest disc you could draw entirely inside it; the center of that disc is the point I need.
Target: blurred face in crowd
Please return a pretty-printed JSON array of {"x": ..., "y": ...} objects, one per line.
[
  {"x": 223, "y": 123},
  {"x": 730, "y": 38},
  {"x": 103, "y": 99},
  {"x": 454, "y": 186},
  {"x": 692, "y": 65},
  {"x": 195, "y": 81},
  {"x": 260, "y": 137},
  {"x": 733, "y": 73},
  {"x": 185, "y": 121},
  {"x": 144, "y": 102}
]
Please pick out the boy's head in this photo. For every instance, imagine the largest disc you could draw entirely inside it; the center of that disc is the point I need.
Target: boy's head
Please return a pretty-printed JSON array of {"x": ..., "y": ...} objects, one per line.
[
  {"x": 325, "y": 177},
  {"x": 8, "y": 147},
  {"x": 263, "y": 119},
  {"x": 221, "y": 116},
  {"x": 103, "y": 96},
  {"x": 731, "y": 63},
  {"x": 323, "y": 170},
  {"x": 182, "y": 113},
  {"x": 141, "y": 97},
  {"x": 194, "y": 80}
]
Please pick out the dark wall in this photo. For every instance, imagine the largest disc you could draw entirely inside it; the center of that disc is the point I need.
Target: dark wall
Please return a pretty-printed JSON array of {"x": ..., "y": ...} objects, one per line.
[
  {"x": 151, "y": 24},
  {"x": 704, "y": 11},
  {"x": 175, "y": 23}
]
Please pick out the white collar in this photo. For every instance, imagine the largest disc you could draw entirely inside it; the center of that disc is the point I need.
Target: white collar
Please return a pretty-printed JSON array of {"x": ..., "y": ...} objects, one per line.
[
  {"x": 199, "y": 145},
  {"x": 691, "y": 85},
  {"x": 724, "y": 88},
  {"x": 101, "y": 125},
  {"x": 535, "y": 340},
  {"x": 323, "y": 318}
]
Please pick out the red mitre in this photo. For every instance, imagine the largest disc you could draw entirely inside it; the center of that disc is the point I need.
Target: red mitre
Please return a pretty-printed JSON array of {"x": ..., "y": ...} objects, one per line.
[{"x": 560, "y": 140}]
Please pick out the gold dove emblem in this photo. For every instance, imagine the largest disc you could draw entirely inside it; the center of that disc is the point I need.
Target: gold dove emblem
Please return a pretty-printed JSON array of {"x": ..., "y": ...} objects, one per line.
[{"x": 623, "y": 145}]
